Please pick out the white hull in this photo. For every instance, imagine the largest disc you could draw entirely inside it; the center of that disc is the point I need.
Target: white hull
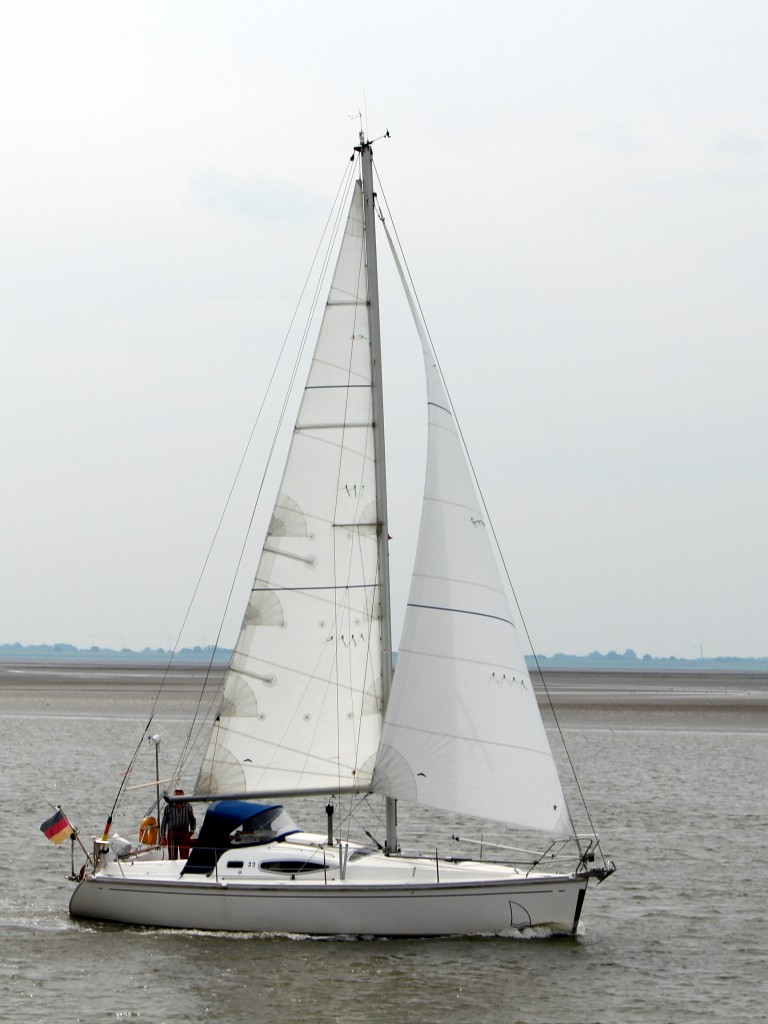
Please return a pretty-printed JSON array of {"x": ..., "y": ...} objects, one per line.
[
  {"x": 470, "y": 897},
  {"x": 335, "y": 909}
]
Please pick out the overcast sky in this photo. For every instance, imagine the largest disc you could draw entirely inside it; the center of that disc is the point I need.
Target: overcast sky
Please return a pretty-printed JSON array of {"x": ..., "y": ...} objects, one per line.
[{"x": 581, "y": 191}]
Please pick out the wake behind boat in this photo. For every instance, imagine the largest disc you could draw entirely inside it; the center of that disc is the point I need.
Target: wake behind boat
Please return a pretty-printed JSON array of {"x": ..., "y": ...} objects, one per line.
[{"x": 310, "y": 705}]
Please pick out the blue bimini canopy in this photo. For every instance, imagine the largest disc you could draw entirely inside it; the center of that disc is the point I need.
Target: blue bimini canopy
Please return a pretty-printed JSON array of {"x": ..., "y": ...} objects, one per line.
[{"x": 258, "y": 823}]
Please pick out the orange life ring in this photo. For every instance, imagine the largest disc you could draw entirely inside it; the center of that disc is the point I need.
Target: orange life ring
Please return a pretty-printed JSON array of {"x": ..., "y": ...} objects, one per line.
[{"x": 148, "y": 831}]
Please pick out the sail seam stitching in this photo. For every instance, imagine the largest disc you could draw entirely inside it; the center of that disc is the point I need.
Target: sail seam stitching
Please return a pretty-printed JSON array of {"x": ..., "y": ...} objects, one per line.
[
  {"x": 461, "y": 611},
  {"x": 546, "y": 754}
]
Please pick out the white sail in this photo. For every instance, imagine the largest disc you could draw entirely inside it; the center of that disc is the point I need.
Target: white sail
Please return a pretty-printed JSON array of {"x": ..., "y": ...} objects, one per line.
[
  {"x": 301, "y": 706},
  {"x": 462, "y": 728}
]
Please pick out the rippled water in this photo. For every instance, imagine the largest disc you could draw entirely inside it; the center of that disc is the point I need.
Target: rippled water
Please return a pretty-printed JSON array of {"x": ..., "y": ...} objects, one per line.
[{"x": 678, "y": 934}]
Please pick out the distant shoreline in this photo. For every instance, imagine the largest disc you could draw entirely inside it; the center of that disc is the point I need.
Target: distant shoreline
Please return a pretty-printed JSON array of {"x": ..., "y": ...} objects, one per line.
[
  {"x": 612, "y": 662},
  {"x": 618, "y": 699},
  {"x": 43, "y": 672}
]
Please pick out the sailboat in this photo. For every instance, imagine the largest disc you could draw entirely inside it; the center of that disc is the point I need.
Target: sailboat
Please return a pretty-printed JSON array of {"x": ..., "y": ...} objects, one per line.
[{"x": 311, "y": 707}]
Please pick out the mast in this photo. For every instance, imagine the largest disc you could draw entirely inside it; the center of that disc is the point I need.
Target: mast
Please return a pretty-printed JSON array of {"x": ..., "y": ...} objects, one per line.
[{"x": 369, "y": 213}]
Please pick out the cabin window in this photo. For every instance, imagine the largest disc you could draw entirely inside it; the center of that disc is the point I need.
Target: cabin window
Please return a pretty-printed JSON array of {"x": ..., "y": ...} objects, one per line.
[
  {"x": 234, "y": 863},
  {"x": 365, "y": 852},
  {"x": 290, "y": 867}
]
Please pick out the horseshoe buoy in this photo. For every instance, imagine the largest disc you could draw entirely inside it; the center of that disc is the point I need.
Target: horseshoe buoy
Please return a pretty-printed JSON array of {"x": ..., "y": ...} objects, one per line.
[{"x": 148, "y": 831}]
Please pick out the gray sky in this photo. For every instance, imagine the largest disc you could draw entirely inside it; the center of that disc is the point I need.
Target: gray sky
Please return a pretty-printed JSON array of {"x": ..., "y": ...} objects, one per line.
[{"x": 581, "y": 191}]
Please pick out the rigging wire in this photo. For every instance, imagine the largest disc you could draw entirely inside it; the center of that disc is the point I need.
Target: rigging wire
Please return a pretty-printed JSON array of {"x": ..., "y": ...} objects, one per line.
[
  {"x": 333, "y": 216},
  {"x": 487, "y": 513}
]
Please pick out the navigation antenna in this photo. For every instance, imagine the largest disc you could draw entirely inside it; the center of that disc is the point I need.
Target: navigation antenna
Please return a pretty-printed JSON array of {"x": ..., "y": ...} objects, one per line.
[{"x": 370, "y": 142}]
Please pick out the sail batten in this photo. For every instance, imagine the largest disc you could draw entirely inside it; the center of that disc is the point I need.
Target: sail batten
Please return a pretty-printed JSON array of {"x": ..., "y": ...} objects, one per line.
[
  {"x": 334, "y": 587},
  {"x": 331, "y": 426}
]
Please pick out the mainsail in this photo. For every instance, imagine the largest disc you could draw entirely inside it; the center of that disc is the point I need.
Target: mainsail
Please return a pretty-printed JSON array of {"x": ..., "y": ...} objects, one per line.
[
  {"x": 301, "y": 704},
  {"x": 462, "y": 729}
]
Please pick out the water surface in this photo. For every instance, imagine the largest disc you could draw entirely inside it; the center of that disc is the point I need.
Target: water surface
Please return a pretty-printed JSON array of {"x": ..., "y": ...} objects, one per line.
[{"x": 678, "y": 934}]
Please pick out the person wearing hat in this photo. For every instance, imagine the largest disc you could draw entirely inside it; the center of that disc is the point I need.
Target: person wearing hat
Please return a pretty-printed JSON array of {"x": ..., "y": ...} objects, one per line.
[{"x": 177, "y": 827}]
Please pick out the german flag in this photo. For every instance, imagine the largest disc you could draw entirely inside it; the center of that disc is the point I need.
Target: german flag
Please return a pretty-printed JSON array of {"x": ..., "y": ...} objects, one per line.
[{"x": 57, "y": 828}]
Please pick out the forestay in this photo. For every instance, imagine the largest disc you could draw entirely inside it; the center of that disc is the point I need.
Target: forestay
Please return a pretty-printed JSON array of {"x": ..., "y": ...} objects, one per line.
[
  {"x": 301, "y": 706},
  {"x": 462, "y": 727}
]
